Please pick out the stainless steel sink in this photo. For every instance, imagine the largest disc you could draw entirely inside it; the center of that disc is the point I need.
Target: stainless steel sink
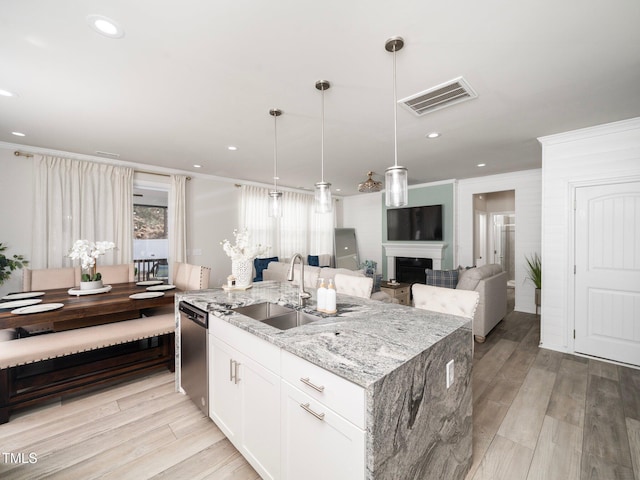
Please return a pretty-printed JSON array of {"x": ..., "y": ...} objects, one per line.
[
  {"x": 262, "y": 311},
  {"x": 290, "y": 320},
  {"x": 276, "y": 315}
]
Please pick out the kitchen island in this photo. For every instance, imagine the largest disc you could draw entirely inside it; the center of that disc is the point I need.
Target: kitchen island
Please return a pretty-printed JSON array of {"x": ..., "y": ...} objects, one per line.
[{"x": 413, "y": 426}]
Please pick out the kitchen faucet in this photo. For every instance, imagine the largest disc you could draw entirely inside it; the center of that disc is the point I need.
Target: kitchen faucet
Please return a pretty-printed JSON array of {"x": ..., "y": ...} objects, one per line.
[{"x": 302, "y": 295}]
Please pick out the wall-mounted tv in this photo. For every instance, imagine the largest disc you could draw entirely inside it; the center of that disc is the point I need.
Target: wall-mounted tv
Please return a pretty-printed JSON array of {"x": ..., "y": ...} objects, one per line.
[{"x": 415, "y": 223}]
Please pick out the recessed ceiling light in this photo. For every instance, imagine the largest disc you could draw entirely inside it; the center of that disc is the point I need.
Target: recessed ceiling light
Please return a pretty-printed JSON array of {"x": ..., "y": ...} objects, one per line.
[
  {"x": 338, "y": 189},
  {"x": 276, "y": 178},
  {"x": 18, "y": 134},
  {"x": 105, "y": 26},
  {"x": 232, "y": 148},
  {"x": 195, "y": 165},
  {"x": 482, "y": 165},
  {"x": 7, "y": 93},
  {"x": 433, "y": 135}
]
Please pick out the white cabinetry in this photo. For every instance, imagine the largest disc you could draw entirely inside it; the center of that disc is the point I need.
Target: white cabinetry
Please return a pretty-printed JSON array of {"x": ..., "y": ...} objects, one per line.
[
  {"x": 323, "y": 422},
  {"x": 245, "y": 395},
  {"x": 289, "y": 418}
]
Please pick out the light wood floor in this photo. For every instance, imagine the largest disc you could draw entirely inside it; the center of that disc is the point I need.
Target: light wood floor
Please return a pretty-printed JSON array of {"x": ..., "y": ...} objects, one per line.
[{"x": 537, "y": 415}]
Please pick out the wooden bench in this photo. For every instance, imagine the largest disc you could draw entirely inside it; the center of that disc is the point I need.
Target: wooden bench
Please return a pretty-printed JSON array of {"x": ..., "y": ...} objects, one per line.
[{"x": 37, "y": 368}]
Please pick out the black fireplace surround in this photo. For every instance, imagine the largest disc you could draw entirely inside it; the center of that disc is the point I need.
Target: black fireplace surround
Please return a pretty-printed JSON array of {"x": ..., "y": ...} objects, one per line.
[{"x": 412, "y": 270}]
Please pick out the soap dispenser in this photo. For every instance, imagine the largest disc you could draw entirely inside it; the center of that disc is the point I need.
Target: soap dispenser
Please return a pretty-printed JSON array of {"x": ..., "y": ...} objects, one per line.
[
  {"x": 322, "y": 297},
  {"x": 330, "y": 306}
]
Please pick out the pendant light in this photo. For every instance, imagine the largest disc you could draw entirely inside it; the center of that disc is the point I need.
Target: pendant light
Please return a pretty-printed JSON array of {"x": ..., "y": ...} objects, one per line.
[
  {"x": 396, "y": 177},
  {"x": 275, "y": 196},
  {"x": 323, "y": 189}
]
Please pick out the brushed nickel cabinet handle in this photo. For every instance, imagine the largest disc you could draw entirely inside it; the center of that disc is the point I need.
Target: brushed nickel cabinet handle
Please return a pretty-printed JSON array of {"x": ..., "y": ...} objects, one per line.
[
  {"x": 236, "y": 377},
  {"x": 306, "y": 381},
  {"x": 231, "y": 362},
  {"x": 319, "y": 416}
]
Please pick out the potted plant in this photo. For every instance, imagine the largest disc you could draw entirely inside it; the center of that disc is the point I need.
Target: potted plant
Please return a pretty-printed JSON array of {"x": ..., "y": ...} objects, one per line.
[
  {"x": 534, "y": 273},
  {"x": 88, "y": 253},
  {"x": 8, "y": 265}
]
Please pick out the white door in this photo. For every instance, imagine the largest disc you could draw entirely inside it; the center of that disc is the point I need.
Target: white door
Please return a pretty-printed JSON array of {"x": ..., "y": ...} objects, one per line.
[{"x": 607, "y": 279}]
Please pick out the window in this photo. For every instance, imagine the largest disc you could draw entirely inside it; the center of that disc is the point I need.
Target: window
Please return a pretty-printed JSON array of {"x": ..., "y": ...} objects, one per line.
[
  {"x": 150, "y": 231},
  {"x": 149, "y": 222}
]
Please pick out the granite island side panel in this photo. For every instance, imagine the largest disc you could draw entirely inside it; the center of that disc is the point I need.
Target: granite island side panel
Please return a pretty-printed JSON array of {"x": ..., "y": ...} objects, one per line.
[{"x": 397, "y": 354}]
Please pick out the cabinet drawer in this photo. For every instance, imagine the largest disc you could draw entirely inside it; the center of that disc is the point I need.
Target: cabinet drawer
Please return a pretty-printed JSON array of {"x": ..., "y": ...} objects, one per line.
[
  {"x": 263, "y": 352},
  {"x": 342, "y": 396},
  {"x": 401, "y": 291},
  {"x": 317, "y": 443}
]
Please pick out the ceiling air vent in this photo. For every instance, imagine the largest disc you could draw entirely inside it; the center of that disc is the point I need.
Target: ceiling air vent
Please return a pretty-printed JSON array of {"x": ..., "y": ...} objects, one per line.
[{"x": 441, "y": 96}]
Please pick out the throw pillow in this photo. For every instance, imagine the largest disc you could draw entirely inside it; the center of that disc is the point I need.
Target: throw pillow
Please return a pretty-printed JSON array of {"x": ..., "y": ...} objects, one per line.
[
  {"x": 442, "y": 278},
  {"x": 260, "y": 264},
  {"x": 313, "y": 260}
]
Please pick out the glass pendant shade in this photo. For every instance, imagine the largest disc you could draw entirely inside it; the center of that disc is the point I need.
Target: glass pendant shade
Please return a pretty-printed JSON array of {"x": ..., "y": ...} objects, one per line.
[
  {"x": 275, "y": 196},
  {"x": 323, "y": 189},
  {"x": 323, "y": 197},
  {"x": 395, "y": 177},
  {"x": 397, "y": 191},
  {"x": 275, "y": 204}
]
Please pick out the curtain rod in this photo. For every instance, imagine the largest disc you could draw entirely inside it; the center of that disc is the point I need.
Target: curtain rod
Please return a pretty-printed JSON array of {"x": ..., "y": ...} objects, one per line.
[{"x": 18, "y": 153}]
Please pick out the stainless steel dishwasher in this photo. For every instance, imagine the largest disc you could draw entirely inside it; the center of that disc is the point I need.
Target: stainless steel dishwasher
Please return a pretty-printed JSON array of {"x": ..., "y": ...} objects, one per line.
[{"x": 193, "y": 354}]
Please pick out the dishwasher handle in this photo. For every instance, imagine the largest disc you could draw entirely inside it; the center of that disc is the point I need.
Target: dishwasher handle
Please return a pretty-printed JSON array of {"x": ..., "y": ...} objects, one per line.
[{"x": 194, "y": 314}]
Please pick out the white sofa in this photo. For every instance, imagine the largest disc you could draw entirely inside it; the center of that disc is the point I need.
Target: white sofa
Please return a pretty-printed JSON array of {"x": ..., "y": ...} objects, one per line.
[
  {"x": 491, "y": 283},
  {"x": 278, "y": 271}
]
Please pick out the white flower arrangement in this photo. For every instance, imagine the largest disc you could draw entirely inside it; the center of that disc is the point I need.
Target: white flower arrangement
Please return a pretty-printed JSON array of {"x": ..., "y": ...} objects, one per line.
[
  {"x": 88, "y": 252},
  {"x": 242, "y": 250}
]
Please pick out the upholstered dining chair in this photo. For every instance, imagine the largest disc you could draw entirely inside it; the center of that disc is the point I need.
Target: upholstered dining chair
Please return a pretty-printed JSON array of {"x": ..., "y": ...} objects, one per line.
[
  {"x": 353, "y": 285},
  {"x": 34, "y": 280},
  {"x": 185, "y": 277},
  {"x": 190, "y": 277},
  {"x": 48, "y": 278},
  {"x": 445, "y": 300},
  {"x": 123, "y": 273}
]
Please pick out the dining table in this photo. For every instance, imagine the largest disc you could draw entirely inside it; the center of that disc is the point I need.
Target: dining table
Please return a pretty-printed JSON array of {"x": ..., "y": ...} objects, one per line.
[{"x": 81, "y": 310}]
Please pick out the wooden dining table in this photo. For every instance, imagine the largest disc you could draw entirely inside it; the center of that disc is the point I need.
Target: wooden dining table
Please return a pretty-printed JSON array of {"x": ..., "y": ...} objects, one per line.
[{"x": 86, "y": 310}]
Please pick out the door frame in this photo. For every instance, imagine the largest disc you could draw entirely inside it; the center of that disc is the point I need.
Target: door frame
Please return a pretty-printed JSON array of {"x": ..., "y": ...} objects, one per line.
[
  {"x": 571, "y": 254},
  {"x": 491, "y": 244}
]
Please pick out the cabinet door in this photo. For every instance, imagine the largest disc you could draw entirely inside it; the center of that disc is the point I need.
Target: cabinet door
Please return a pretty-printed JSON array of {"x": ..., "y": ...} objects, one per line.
[
  {"x": 260, "y": 417},
  {"x": 225, "y": 392},
  {"x": 321, "y": 446}
]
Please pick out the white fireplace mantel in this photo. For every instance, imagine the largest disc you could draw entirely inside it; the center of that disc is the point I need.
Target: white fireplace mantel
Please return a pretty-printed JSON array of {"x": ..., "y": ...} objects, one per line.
[{"x": 434, "y": 251}]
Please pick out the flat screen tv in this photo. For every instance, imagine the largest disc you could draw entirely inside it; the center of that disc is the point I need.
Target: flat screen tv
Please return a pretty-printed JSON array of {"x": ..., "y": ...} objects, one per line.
[{"x": 415, "y": 223}]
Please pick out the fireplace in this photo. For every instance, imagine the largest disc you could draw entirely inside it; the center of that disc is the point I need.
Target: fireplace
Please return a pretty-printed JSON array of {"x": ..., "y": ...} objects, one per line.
[
  {"x": 425, "y": 250},
  {"x": 411, "y": 270}
]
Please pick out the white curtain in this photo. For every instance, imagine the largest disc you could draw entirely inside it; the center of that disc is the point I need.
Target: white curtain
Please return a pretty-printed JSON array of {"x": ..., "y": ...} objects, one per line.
[
  {"x": 177, "y": 221},
  {"x": 76, "y": 200},
  {"x": 299, "y": 230}
]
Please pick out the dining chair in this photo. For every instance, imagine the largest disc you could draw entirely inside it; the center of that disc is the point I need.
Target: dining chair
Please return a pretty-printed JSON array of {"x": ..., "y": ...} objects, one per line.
[
  {"x": 185, "y": 277},
  {"x": 190, "y": 277},
  {"x": 49, "y": 278},
  {"x": 445, "y": 300},
  {"x": 353, "y": 285},
  {"x": 122, "y": 273},
  {"x": 34, "y": 280}
]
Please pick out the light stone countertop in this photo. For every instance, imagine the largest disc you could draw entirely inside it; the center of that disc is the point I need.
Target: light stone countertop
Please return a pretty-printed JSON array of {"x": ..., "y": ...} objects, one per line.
[{"x": 363, "y": 342}]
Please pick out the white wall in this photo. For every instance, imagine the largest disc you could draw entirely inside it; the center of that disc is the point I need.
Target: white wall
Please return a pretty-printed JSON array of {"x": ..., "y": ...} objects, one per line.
[
  {"x": 16, "y": 211},
  {"x": 212, "y": 215},
  {"x": 364, "y": 213},
  {"x": 528, "y": 192},
  {"x": 587, "y": 156}
]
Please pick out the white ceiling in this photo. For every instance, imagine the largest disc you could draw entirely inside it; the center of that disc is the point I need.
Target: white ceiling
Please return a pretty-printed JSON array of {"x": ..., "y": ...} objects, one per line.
[{"x": 190, "y": 78}]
